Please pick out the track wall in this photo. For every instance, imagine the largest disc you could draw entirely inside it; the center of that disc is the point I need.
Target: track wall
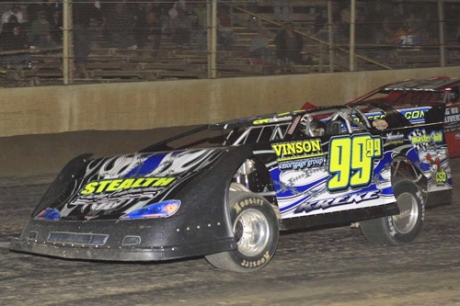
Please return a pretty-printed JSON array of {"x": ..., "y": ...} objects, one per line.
[{"x": 150, "y": 105}]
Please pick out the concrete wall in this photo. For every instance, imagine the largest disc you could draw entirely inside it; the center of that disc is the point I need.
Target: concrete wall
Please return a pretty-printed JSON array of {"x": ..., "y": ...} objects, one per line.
[{"x": 149, "y": 105}]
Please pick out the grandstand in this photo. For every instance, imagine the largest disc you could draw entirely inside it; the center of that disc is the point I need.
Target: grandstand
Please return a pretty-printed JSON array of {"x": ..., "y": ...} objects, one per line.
[{"x": 108, "y": 63}]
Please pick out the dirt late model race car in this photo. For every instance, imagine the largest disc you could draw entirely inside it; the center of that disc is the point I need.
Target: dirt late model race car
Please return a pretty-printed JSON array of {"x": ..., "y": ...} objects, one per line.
[
  {"x": 414, "y": 97},
  {"x": 225, "y": 191}
]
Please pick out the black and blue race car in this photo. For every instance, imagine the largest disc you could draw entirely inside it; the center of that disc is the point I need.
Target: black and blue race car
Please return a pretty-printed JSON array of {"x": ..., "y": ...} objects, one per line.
[{"x": 225, "y": 191}]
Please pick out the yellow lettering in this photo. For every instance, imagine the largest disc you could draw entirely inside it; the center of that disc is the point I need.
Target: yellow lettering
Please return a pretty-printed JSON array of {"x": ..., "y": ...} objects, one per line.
[
  {"x": 126, "y": 184},
  {"x": 261, "y": 121},
  {"x": 102, "y": 186},
  {"x": 316, "y": 145},
  {"x": 149, "y": 181},
  {"x": 114, "y": 185},
  {"x": 289, "y": 149},
  {"x": 277, "y": 149},
  {"x": 163, "y": 181},
  {"x": 137, "y": 183},
  {"x": 90, "y": 188},
  {"x": 299, "y": 148}
]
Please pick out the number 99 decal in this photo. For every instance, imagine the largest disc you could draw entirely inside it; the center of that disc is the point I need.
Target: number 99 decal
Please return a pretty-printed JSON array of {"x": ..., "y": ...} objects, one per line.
[{"x": 351, "y": 161}]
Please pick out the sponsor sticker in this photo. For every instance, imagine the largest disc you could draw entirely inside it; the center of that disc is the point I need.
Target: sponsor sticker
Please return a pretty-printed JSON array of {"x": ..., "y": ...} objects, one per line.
[
  {"x": 380, "y": 124},
  {"x": 112, "y": 185}
]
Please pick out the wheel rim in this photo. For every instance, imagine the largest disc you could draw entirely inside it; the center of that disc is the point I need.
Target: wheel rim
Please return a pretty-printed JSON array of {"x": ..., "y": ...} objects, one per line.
[
  {"x": 407, "y": 219},
  {"x": 251, "y": 230}
]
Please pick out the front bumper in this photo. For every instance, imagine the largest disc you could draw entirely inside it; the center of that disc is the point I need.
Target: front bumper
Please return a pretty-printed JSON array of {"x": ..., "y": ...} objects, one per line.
[{"x": 120, "y": 241}]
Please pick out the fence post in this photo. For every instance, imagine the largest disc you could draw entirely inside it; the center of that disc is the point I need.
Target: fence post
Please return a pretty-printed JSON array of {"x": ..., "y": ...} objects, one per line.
[
  {"x": 352, "y": 34},
  {"x": 212, "y": 38},
  {"x": 442, "y": 46},
  {"x": 330, "y": 30},
  {"x": 66, "y": 41}
]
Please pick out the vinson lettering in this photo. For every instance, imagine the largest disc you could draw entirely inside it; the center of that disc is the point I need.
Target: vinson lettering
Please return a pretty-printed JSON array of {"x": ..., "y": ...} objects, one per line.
[{"x": 297, "y": 149}]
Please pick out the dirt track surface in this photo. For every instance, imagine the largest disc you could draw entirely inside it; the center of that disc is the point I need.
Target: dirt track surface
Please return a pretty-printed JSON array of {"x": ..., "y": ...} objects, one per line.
[{"x": 328, "y": 267}]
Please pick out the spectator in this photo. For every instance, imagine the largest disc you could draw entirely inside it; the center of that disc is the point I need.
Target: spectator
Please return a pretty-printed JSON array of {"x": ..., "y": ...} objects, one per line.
[
  {"x": 116, "y": 27},
  {"x": 200, "y": 35},
  {"x": 289, "y": 45},
  {"x": 140, "y": 26},
  {"x": 345, "y": 20},
  {"x": 320, "y": 21},
  {"x": 253, "y": 7},
  {"x": 392, "y": 21},
  {"x": 323, "y": 33},
  {"x": 8, "y": 26},
  {"x": 282, "y": 10},
  {"x": 14, "y": 11},
  {"x": 406, "y": 37},
  {"x": 56, "y": 27},
  {"x": 260, "y": 48},
  {"x": 83, "y": 14},
  {"x": 373, "y": 22},
  {"x": 33, "y": 9},
  {"x": 40, "y": 32},
  {"x": 181, "y": 26},
  {"x": 225, "y": 35},
  {"x": 154, "y": 28},
  {"x": 15, "y": 40}
]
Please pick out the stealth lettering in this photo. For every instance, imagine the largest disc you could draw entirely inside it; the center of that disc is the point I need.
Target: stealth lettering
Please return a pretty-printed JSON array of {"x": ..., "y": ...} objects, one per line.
[{"x": 98, "y": 187}]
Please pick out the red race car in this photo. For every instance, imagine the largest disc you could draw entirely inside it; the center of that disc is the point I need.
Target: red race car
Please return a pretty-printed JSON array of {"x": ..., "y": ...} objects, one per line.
[{"x": 414, "y": 97}]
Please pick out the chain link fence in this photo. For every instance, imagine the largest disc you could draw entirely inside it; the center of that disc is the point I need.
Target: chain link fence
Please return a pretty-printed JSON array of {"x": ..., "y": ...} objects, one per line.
[{"x": 49, "y": 42}]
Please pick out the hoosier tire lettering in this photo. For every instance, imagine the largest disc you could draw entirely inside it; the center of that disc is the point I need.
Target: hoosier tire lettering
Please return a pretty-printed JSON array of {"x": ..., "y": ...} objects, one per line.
[
  {"x": 246, "y": 202},
  {"x": 254, "y": 264},
  {"x": 255, "y": 230}
]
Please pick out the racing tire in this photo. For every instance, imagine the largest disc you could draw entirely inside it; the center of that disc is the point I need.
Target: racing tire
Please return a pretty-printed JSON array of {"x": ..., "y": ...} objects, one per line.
[
  {"x": 256, "y": 230},
  {"x": 402, "y": 228}
]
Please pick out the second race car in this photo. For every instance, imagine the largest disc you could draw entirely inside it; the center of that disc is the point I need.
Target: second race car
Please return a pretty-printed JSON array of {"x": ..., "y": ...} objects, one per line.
[{"x": 414, "y": 97}]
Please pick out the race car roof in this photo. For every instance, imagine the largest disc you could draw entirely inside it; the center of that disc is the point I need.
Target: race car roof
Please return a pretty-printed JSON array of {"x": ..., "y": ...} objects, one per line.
[{"x": 434, "y": 84}]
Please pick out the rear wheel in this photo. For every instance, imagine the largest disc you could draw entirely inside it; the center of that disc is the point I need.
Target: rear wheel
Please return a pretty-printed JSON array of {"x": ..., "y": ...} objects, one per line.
[
  {"x": 402, "y": 228},
  {"x": 255, "y": 227}
]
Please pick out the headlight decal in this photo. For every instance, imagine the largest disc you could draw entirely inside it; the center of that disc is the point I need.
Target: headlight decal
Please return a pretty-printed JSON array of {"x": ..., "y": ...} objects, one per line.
[
  {"x": 163, "y": 209},
  {"x": 49, "y": 214}
]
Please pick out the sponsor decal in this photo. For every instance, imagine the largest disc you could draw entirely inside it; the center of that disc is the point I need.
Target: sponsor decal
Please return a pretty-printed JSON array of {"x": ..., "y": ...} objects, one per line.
[
  {"x": 112, "y": 185},
  {"x": 395, "y": 139},
  {"x": 375, "y": 115},
  {"x": 351, "y": 161},
  {"x": 280, "y": 117},
  {"x": 440, "y": 175},
  {"x": 303, "y": 163},
  {"x": 298, "y": 149},
  {"x": 451, "y": 115},
  {"x": 414, "y": 115},
  {"x": 336, "y": 201},
  {"x": 380, "y": 124},
  {"x": 420, "y": 137}
]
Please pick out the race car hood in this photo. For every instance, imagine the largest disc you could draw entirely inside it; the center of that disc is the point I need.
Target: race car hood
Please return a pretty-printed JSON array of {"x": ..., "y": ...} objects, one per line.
[{"x": 120, "y": 186}]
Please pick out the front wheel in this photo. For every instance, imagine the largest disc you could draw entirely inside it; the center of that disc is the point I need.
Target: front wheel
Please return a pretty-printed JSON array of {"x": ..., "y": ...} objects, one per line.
[
  {"x": 402, "y": 228},
  {"x": 255, "y": 228}
]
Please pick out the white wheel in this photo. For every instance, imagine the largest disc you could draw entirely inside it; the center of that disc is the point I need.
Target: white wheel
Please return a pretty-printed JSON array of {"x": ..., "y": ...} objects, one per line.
[
  {"x": 402, "y": 228},
  {"x": 255, "y": 228}
]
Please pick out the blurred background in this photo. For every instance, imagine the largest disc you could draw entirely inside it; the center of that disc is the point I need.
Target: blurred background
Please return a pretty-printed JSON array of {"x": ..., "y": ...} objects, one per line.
[{"x": 55, "y": 42}]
